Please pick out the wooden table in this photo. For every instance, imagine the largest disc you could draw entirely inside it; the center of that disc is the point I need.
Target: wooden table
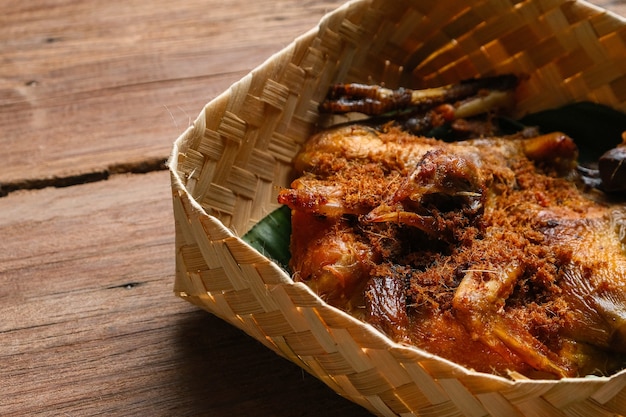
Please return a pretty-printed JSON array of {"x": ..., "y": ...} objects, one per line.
[{"x": 92, "y": 95}]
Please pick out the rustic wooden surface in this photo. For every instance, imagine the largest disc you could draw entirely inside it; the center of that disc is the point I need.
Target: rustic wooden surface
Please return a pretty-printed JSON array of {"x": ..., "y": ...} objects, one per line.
[{"x": 92, "y": 94}]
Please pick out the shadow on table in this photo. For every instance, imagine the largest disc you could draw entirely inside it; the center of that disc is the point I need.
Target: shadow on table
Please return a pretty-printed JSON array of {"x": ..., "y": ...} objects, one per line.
[{"x": 224, "y": 372}]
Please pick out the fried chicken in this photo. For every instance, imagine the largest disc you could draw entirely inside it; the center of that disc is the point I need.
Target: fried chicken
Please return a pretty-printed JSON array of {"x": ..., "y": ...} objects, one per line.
[{"x": 486, "y": 252}]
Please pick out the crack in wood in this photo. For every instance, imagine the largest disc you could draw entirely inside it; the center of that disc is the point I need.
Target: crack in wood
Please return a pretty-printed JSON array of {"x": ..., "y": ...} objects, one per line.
[
  {"x": 139, "y": 167},
  {"x": 127, "y": 286}
]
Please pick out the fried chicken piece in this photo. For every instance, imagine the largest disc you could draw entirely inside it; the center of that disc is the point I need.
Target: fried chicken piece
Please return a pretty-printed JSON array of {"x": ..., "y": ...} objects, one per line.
[
  {"x": 484, "y": 252},
  {"x": 340, "y": 271}
]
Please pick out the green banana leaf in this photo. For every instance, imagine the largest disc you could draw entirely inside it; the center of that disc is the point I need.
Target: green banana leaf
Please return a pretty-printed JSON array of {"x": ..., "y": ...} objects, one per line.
[{"x": 271, "y": 236}]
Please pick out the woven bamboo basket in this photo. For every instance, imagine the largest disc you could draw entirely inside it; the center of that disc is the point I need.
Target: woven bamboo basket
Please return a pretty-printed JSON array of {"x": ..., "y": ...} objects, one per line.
[{"x": 226, "y": 170}]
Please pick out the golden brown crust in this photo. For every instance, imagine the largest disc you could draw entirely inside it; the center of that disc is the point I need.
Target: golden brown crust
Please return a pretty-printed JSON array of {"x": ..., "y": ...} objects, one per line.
[{"x": 480, "y": 251}]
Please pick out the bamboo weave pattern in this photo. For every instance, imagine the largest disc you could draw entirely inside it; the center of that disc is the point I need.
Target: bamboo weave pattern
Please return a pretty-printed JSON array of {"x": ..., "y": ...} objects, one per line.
[{"x": 226, "y": 169}]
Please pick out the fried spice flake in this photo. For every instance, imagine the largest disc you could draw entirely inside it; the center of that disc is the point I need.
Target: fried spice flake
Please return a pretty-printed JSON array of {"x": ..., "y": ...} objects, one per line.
[{"x": 486, "y": 252}]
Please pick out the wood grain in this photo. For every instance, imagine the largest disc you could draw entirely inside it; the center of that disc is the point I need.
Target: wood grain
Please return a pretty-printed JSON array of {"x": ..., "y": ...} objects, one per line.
[
  {"x": 84, "y": 85},
  {"x": 90, "y": 324}
]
